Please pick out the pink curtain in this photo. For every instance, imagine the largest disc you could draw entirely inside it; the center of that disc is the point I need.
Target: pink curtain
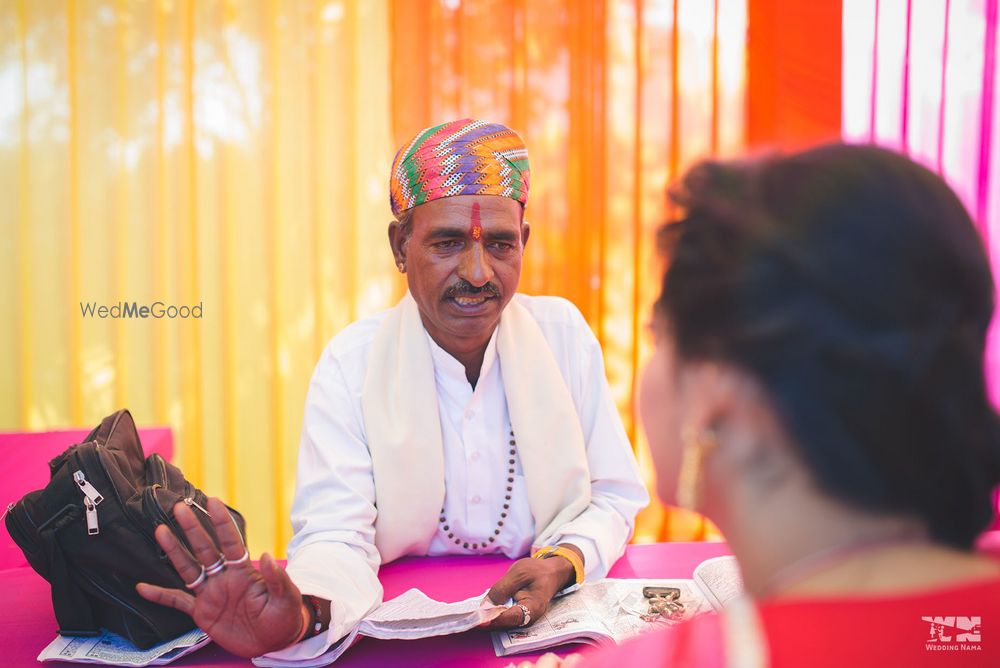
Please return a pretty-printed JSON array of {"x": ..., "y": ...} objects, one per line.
[{"x": 920, "y": 76}]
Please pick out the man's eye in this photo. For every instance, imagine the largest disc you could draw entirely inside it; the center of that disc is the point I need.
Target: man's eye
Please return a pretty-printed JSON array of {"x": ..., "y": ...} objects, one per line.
[
  {"x": 446, "y": 245},
  {"x": 502, "y": 246}
]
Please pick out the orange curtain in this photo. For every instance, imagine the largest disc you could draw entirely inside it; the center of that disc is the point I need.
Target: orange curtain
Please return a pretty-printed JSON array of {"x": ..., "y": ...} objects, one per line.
[
  {"x": 614, "y": 99},
  {"x": 794, "y": 72}
]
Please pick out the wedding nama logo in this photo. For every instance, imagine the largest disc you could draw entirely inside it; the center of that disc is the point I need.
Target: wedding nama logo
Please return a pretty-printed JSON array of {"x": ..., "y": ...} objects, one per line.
[{"x": 954, "y": 634}]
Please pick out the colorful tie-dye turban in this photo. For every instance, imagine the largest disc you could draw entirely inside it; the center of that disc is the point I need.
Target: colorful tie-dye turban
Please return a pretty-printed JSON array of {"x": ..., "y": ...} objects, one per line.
[{"x": 464, "y": 157}]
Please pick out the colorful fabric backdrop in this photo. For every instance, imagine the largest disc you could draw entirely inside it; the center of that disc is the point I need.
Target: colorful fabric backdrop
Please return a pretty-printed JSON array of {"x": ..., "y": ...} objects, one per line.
[
  {"x": 920, "y": 76},
  {"x": 235, "y": 154}
]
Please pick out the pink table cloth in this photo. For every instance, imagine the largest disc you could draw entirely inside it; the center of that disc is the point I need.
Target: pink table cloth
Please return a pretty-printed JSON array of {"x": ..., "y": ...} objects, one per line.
[
  {"x": 27, "y": 623},
  {"x": 25, "y": 457}
]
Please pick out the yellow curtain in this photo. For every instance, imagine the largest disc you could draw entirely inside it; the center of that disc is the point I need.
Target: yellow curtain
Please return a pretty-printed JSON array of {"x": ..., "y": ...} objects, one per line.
[{"x": 234, "y": 154}]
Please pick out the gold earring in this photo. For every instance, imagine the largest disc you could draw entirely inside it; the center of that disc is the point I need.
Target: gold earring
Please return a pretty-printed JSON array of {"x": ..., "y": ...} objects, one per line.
[{"x": 697, "y": 446}]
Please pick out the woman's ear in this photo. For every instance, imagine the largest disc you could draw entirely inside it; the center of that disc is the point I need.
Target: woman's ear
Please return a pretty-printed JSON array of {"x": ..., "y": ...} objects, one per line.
[
  {"x": 754, "y": 452},
  {"x": 708, "y": 391}
]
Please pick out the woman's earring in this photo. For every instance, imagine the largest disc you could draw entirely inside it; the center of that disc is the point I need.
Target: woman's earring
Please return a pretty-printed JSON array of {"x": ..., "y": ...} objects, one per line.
[{"x": 697, "y": 446}]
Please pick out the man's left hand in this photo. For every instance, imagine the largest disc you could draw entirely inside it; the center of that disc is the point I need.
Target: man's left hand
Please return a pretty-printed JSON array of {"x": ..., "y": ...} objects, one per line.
[{"x": 531, "y": 583}]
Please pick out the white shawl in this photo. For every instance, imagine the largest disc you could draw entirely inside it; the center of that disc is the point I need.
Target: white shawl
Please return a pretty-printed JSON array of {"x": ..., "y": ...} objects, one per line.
[{"x": 400, "y": 408}]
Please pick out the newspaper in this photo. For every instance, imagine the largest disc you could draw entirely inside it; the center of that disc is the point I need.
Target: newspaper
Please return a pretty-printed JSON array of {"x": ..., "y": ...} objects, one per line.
[
  {"x": 414, "y": 615},
  {"x": 112, "y": 649},
  {"x": 409, "y": 616},
  {"x": 614, "y": 610},
  {"x": 607, "y": 611}
]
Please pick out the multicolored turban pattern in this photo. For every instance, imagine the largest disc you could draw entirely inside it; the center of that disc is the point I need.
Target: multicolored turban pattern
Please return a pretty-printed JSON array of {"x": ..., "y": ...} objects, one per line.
[{"x": 464, "y": 157}]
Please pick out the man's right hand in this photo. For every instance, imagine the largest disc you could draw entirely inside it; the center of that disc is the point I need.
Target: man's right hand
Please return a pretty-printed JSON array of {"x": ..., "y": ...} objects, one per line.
[{"x": 248, "y": 612}]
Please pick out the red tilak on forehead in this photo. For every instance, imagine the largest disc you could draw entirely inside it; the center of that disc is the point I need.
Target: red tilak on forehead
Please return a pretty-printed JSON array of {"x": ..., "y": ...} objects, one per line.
[{"x": 475, "y": 228}]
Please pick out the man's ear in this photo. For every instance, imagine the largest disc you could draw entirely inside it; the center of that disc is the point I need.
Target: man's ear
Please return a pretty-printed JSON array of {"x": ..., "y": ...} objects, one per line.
[
  {"x": 525, "y": 232},
  {"x": 397, "y": 243}
]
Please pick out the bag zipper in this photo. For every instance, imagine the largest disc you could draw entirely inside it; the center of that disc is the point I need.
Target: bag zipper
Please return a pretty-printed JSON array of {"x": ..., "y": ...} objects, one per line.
[
  {"x": 10, "y": 507},
  {"x": 91, "y": 499},
  {"x": 91, "y": 509},
  {"x": 88, "y": 490},
  {"x": 191, "y": 503}
]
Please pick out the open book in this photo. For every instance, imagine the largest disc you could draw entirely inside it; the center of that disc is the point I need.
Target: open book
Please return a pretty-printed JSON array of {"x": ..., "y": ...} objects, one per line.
[{"x": 614, "y": 610}]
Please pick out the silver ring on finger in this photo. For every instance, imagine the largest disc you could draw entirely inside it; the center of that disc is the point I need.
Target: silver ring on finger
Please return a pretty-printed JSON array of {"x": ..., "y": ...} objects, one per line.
[
  {"x": 217, "y": 567},
  {"x": 242, "y": 560},
  {"x": 198, "y": 581},
  {"x": 527, "y": 614}
]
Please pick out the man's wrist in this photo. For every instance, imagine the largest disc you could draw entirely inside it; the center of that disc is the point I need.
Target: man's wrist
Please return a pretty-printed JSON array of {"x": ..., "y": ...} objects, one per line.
[
  {"x": 305, "y": 616},
  {"x": 567, "y": 574},
  {"x": 569, "y": 564}
]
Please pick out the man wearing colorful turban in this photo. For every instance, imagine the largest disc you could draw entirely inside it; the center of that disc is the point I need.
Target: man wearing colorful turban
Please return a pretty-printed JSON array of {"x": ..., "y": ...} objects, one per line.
[{"x": 465, "y": 420}]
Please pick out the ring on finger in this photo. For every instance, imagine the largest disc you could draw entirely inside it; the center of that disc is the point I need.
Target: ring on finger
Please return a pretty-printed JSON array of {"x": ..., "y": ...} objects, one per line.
[
  {"x": 242, "y": 560},
  {"x": 217, "y": 567},
  {"x": 198, "y": 581},
  {"x": 527, "y": 614}
]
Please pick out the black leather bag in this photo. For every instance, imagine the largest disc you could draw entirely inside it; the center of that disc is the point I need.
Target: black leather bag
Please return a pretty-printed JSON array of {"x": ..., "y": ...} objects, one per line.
[{"x": 89, "y": 532}]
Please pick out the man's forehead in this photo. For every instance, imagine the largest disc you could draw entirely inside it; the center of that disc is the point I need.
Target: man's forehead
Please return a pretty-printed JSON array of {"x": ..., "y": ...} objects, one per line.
[{"x": 468, "y": 212}]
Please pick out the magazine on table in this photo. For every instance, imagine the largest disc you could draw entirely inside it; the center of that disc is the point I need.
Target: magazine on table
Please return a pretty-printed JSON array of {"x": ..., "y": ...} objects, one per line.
[{"x": 614, "y": 610}]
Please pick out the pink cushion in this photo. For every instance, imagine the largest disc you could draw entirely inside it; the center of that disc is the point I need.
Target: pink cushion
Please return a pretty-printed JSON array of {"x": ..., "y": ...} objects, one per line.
[{"x": 25, "y": 457}]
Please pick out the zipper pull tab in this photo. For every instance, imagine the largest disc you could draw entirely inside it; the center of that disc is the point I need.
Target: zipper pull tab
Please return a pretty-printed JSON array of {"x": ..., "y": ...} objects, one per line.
[
  {"x": 191, "y": 503},
  {"x": 92, "y": 528},
  {"x": 88, "y": 490},
  {"x": 10, "y": 507}
]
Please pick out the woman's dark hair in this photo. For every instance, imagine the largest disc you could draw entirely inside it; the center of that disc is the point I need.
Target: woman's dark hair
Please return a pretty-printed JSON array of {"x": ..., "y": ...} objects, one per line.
[{"x": 852, "y": 284}]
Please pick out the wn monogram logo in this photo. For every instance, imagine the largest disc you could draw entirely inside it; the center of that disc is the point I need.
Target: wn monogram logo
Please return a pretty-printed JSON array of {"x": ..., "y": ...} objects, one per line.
[{"x": 954, "y": 634}]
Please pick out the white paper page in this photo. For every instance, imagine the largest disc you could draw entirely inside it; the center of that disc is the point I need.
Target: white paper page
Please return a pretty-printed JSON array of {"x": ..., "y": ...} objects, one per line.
[
  {"x": 111, "y": 649},
  {"x": 720, "y": 580},
  {"x": 324, "y": 659},
  {"x": 413, "y": 615},
  {"x": 568, "y": 619}
]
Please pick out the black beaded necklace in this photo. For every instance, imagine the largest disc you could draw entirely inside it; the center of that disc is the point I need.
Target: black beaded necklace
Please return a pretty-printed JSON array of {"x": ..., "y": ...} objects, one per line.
[{"x": 446, "y": 528}]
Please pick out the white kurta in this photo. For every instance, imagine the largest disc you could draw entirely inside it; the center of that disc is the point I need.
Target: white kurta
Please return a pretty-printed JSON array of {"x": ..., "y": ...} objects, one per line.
[{"x": 332, "y": 553}]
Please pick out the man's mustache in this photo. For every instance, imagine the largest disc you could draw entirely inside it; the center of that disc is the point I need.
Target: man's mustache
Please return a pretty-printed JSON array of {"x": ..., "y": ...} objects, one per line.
[{"x": 465, "y": 289}]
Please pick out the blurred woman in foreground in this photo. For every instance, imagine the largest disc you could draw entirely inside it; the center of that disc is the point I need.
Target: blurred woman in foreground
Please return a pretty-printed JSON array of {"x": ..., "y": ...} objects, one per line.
[{"x": 817, "y": 390}]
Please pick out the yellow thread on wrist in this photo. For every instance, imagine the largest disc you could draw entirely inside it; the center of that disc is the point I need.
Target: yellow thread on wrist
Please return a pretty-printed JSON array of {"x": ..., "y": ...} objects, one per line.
[{"x": 567, "y": 554}]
